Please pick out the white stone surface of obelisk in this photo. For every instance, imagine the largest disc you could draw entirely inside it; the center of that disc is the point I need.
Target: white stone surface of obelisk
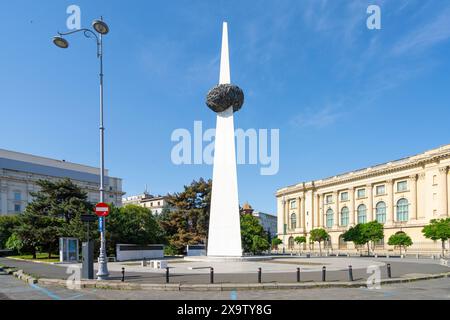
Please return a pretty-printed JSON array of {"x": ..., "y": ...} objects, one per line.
[{"x": 224, "y": 238}]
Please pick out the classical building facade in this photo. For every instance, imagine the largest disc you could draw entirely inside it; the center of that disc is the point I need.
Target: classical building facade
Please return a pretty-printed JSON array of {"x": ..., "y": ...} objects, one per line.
[
  {"x": 19, "y": 173},
  {"x": 155, "y": 203},
  {"x": 404, "y": 195}
]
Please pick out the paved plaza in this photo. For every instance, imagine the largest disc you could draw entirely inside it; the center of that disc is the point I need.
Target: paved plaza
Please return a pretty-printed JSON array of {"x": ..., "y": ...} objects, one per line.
[{"x": 280, "y": 269}]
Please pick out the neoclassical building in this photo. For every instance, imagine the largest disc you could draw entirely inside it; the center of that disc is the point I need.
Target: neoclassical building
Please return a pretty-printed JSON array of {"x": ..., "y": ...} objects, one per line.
[{"x": 404, "y": 195}]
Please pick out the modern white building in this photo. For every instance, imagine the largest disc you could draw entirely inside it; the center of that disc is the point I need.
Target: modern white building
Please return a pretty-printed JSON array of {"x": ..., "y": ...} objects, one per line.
[
  {"x": 19, "y": 173},
  {"x": 268, "y": 221},
  {"x": 156, "y": 204}
]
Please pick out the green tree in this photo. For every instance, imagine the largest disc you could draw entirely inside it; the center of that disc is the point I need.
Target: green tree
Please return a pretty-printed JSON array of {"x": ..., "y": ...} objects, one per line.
[
  {"x": 319, "y": 235},
  {"x": 7, "y": 225},
  {"x": 259, "y": 244},
  {"x": 400, "y": 239},
  {"x": 300, "y": 240},
  {"x": 438, "y": 229},
  {"x": 54, "y": 212},
  {"x": 187, "y": 222},
  {"x": 253, "y": 234},
  {"x": 132, "y": 224},
  {"x": 364, "y": 234},
  {"x": 276, "y": 242}
]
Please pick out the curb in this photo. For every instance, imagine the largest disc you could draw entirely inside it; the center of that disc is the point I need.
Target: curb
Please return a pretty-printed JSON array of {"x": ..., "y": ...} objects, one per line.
[
  {"x": 118, "y": 285},
  {"x": 33, "y": 261}
]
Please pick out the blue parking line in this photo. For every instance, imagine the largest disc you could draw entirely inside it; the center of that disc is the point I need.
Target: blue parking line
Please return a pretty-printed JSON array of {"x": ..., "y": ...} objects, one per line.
[{"x": 47, "y": 292}]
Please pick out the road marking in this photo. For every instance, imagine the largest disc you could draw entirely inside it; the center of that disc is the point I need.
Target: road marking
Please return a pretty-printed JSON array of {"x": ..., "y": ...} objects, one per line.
[
  {"x": 47, "y": 292},
  {"x": 76, "y": 296}
]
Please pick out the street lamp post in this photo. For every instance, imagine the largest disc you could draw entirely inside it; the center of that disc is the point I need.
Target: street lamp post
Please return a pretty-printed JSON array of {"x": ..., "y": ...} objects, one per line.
[{"x": 101, "y": 28}]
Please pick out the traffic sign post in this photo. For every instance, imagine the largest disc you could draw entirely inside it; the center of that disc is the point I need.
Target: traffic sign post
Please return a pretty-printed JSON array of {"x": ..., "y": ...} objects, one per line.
[
  {"x": 102, "y": 209},
  {"x": 100, "y": 224}
]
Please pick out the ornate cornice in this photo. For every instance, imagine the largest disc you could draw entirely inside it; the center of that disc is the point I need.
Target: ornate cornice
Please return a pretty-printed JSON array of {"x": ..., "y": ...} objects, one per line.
[{"x": 388, "y": 168}]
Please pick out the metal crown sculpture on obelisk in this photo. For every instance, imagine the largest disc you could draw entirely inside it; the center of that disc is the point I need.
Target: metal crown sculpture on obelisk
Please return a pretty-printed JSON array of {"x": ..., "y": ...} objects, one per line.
[{"x": 224, "y": 238}]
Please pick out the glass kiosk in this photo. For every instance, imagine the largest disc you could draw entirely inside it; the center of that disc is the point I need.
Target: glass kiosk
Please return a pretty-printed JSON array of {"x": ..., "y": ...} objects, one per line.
[{"x": 68, "y": 250}]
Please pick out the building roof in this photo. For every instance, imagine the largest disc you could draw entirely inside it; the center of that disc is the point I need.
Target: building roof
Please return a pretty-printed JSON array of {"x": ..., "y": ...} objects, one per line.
[
  {"x": 12, "y": 160},
  {"x": 392, "y": 166}
]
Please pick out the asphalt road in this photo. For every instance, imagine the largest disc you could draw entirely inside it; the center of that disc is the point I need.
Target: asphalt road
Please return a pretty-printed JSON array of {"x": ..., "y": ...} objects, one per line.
[
  {"x": 438, "y": 289},
  {"x": 399, "y": 268}
]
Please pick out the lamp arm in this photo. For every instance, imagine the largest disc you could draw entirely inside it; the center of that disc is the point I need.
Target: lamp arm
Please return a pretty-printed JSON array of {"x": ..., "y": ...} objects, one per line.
[{"x": 88, "y": 34}]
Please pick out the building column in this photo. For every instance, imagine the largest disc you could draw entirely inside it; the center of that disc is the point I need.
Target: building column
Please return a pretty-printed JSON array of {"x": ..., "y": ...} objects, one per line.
[
  {"x": 336, "y": 210},
  {"x": 390, "y": 205},
  {"x": 320, "y": 211},
  {"x": 299, "y": 212},
  {"x": 443, "y": 194},
  {"x": 370, "y": 202},
  {"x": 413, "y": 191},
  {"x": 302, "y": 212},
  {"x": 316, "y": 211},
  {"x": 351, "y": 208}
]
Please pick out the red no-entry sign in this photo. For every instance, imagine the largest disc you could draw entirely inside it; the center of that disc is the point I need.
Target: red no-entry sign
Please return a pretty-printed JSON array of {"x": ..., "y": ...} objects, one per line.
[{"x": 101, "y": 209}]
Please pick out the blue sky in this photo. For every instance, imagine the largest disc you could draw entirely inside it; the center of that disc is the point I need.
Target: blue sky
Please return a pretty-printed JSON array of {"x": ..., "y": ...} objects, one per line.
[{"x": 344, "y": 97}]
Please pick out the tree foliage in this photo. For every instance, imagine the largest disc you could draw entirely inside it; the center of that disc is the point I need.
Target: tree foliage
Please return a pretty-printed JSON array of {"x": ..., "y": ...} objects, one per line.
[
  {"x": 132, "y": 224},
  {"x": 187, "y": 223},
  {"x": 438, "y": 229},
  {"x": 254, "y": 238},
  {"x": 54, "y": 212},
  {"x": 365, "y": 233},
  {"x": 319, "y": 235},
  {"x": 7, "y": 225},
  {"x": 401, "y": 240},
  {"x": 276, "y": 242},
  {"x": 300, "y": 239}
]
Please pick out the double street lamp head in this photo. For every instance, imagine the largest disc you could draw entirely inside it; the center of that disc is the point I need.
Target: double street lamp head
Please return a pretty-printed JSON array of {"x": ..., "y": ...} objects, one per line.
[{"x": 99, "y": 25}]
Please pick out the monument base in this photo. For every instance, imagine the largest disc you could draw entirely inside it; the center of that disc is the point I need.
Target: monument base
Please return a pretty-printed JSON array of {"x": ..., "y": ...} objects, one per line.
[{"x": 226, "y": 259}]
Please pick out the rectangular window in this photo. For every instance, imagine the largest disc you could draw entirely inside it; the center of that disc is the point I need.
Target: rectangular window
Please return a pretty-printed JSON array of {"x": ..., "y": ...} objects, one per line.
[
  {"x": 380, "y": 190},
  {"x": 329, "y": 199},
  {"x": 402, "y": 186},
  {"x": 434, "y": 180},
  {"x": 361, "y": 193},
  {"x": 293, "y": 204},
  {"x": 17, "y": 208},
  {"x": 17, "y": 196},
  {"x": 344, "y": 196}
]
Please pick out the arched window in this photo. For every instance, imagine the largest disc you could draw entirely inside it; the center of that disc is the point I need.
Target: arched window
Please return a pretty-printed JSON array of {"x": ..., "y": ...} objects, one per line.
[
  {"x": 342, "y": 242},
  {"x": 344, "y": 217},
  {"x": 329, "y": 218},
  {"x": 362, "y": 217},
  {"x": 293, "y": 221},
  {"x": 291, "y": 243},
  {"x": 402, "y": 210},
  {"x": 381, "y": 212}
]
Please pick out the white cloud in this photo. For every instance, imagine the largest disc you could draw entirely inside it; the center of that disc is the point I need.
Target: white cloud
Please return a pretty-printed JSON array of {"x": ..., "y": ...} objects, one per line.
[
  {"x": 425, "y": 36},
  {"x": 317, "y": 118}
]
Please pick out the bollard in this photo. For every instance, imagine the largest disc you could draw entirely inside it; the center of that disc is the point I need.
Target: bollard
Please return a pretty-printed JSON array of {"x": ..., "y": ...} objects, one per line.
[
  {"x": 298, "y": 274},
  {"x": 350, "y": 273},
  {"x": 123, "y": 274},
  {"x": 389, "y": 270},
  {"x": 324, "y": 273},
  {"x": 167, "y": 275},
  {"x": 259, "y": 275},
  {"x": 211, "y": 275}
]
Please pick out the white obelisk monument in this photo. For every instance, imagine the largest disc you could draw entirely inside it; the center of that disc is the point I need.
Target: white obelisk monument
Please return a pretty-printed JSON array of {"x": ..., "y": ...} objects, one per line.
[{"x": 224, "y": 239}]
